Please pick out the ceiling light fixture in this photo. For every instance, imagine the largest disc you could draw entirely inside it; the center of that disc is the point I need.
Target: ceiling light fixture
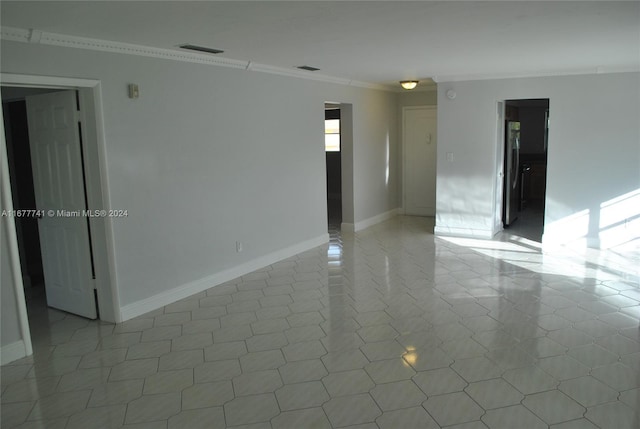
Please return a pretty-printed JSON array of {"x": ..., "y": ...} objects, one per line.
[{"x": 408, "y": 84}]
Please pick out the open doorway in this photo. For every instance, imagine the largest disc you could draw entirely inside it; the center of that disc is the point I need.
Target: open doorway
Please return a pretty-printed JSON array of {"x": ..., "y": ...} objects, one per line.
[
  {"x": 43, "y": 135},
  {"x": 525, "y": 166},
  {"x": 87, "y": 121},
  {"x": 333, "y": 151}
]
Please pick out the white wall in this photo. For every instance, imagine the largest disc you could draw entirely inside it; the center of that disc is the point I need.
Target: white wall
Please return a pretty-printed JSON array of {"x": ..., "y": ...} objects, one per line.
[
  {"x": 208, "y": 156},
  {"x": 593, "y": 157},
  {"x": 417, "y": 98},
  {"x": 374, "y": 156}
]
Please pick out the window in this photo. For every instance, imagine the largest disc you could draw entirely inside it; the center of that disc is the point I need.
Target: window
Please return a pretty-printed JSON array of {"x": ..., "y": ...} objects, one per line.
[{"x": 332, "y": 135}]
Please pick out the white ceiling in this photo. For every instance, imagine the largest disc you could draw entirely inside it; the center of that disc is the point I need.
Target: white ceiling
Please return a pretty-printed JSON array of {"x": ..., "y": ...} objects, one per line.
[{"x": 377, "y": 42}]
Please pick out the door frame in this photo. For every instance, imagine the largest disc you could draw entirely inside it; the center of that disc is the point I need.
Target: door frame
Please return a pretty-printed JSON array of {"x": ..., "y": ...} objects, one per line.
[
  {"x": 498, "y": 224},
  {"x": 347, "y": 162},
  {"x": 501, "y": 172},
  {"x": 404, "y": 147},
  {"x": 96, "y": 183},
  {"x": 346, "y": 165}
]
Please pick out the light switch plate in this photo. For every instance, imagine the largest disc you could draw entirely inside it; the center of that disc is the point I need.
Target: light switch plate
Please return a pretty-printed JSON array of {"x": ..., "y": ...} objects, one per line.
[{"x": 134, "y": 91}]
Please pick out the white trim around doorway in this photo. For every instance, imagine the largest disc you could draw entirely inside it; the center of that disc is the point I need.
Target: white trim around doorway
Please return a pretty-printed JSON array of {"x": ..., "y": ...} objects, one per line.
[{"x": 90, "y": 93}]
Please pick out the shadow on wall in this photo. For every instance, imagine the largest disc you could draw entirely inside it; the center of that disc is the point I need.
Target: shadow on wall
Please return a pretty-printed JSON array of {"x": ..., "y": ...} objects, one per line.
[{"x": 614, "y": 223}]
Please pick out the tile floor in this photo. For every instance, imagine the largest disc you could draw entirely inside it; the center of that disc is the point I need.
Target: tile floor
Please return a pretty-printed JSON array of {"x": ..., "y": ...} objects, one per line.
[{"x": 387, "y": 328}]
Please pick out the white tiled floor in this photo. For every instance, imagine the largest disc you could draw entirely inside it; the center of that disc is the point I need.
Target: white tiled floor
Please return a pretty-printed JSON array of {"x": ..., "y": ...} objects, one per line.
[{"x": 387, "y": 328}]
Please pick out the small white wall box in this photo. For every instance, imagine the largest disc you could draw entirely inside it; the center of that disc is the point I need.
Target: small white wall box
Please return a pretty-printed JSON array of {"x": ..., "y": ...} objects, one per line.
[{"x": 134, "y": 91}]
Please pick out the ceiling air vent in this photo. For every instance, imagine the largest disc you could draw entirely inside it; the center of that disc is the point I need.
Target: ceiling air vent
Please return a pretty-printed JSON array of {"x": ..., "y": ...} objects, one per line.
[
  {"x": 201, "y": 49},
  {"x": 308, "y": 68}
]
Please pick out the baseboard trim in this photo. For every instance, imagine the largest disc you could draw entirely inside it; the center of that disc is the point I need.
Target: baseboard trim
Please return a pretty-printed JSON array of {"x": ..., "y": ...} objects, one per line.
[
  {"x": 12, "y": 352},
  {"x": 366, "y": 223},
  {"x": 165, "y": 298},
  {"x": 463, "y": 232}
]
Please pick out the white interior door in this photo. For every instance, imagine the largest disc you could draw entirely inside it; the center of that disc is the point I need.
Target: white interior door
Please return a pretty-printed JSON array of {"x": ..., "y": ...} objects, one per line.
[
  {"x": 56, "y": 158},
  {"x": 420, "y": 134}
]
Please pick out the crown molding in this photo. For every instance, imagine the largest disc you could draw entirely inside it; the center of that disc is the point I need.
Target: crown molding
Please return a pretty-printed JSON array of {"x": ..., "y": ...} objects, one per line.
[
  {"x": 34, "y": 36},
  {"x": 55, "y": 39},
  {"x": 540, "y": 73},
  {"x": 308, "y": 75}
]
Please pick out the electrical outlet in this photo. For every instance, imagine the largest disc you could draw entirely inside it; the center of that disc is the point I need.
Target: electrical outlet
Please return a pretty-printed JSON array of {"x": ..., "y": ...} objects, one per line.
[{"x": 238, "y": 246}]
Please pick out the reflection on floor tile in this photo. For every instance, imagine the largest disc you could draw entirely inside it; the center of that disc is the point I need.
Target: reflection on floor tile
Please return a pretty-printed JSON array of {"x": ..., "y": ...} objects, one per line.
[{"x": 390, "y": 327}]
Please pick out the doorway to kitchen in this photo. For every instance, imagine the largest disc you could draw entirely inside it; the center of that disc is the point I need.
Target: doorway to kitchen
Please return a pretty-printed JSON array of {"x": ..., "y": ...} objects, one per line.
[{"x": 526, "y": 136}]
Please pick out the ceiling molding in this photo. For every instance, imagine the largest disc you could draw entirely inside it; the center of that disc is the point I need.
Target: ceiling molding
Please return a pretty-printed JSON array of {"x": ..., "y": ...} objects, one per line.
[
  {"x": 34, "y": 36},
  {"x": 541, "y": 73},
  {"x": 54, "y": 39},
  {"x": 310, "y": 75}
]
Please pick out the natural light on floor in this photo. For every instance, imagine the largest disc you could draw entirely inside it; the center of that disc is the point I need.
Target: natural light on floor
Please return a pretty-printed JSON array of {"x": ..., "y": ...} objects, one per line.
[{"x": 518, "y": 251}]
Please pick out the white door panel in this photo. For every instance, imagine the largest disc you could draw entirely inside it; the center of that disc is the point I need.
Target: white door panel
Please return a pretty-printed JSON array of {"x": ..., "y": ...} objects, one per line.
[
  {"x": 420, "y": 143},
  {"x": 56, "y": 157}
]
